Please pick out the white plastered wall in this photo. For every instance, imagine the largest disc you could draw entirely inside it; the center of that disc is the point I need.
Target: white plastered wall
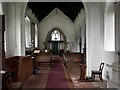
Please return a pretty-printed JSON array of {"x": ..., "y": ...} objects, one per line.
[
  {"x": 109, "y": 27},
  {"x": 57, "y": 20},
  {"x": 93, "y": 35},
  {"x": 33, "y": 19},
  {"x": 31, "y": 15},
  {"x": 94, "y": 32},
  {"x": 15, "y": 27},
  {"x": 95, "y": 38},
  {"x": 27, "y": 32},
  {"x": 109, "y": 55},
  {"x": 79, "y": 25}
]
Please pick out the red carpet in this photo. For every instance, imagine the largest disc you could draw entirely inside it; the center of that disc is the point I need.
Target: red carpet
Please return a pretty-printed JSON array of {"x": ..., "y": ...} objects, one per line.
[{"x": 56, "y": 78}]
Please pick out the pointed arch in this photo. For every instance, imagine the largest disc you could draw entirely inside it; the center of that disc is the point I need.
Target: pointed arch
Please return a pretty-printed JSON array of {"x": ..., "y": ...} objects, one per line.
[{"x": 53, "y": 29}]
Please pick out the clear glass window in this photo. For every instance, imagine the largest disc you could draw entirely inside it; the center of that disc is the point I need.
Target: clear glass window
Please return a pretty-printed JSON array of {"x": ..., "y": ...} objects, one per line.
[{"x": 55, "y": 36}]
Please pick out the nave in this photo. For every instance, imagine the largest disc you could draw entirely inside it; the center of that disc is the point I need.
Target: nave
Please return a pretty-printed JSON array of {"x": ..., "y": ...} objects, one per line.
[
  {"x": 59, "y": 31},
  {"x": 59, "y": 77}
]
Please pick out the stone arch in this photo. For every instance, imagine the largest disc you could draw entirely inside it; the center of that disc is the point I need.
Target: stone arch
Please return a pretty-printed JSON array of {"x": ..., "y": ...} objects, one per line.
[
  {"x": 48, "y": 35},
  {"x": 22, "y": 16},
  {"x": 53, "y": 29},
  {"x": 86, "y": 8}
]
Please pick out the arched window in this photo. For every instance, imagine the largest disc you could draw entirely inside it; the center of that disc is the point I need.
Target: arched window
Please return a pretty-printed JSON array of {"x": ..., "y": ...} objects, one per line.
[
  {"x": 36, "y": 36},
  {"x": 55, "y": 35},
  {"x": 27, "y": 31},
  {"x": 1, "y": 9},
  {"x": 109, "y": 28}
]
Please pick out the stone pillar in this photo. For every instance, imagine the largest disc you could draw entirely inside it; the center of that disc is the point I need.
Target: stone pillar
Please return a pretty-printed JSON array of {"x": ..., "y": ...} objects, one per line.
[{"x": 15, "y": 38}]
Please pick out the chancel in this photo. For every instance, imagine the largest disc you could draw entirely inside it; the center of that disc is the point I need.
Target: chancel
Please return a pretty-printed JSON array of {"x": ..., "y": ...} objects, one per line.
[{"x": 59, "y": 44}]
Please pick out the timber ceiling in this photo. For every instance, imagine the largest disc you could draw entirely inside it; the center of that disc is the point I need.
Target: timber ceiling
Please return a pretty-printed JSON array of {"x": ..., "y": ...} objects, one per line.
[{"x": 42, "y": 9}]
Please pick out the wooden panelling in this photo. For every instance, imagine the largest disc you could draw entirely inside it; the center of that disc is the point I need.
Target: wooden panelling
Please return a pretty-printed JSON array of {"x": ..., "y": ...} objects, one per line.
[
  {"x": 44, "y": 58},
  {"x": 73, "y": 58}
]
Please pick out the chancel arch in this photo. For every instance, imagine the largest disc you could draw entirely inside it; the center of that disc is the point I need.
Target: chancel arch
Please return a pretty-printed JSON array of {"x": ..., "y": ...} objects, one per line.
[{"x": 55, "y": 35}]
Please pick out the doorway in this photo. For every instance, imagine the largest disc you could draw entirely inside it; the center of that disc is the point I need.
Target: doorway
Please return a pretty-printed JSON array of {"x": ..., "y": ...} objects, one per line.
[
  {"x": 55, "y": 50},
  {"x": 55, "y": 41}
]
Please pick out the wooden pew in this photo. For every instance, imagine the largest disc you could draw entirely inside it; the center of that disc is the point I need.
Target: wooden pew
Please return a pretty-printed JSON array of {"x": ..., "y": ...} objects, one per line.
[
  {"x": 23, "y": 68},
  {"x": 12, "y": 63},
  {"x": 73, "y": 58},
  {"x": 44, "y": 58}
]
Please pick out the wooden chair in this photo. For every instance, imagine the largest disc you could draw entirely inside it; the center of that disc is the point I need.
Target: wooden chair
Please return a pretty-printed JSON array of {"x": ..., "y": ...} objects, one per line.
[{"x": 94, "y": 72}]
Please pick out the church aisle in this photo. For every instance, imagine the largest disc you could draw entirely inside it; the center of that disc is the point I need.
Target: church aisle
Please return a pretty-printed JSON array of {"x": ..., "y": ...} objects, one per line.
[{"x": 57, "y": 78}]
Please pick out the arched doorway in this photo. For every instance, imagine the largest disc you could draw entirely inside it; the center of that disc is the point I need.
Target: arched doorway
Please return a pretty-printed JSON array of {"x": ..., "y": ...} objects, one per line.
[{"x": 55, "y": 41}]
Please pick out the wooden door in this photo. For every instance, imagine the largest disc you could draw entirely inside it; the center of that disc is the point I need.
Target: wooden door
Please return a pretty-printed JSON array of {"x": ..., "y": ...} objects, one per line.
[{"x": 55, "y": 48}]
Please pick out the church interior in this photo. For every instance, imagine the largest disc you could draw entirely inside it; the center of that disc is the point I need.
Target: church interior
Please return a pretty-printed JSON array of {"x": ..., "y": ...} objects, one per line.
[{"x": 59, "y": 44}]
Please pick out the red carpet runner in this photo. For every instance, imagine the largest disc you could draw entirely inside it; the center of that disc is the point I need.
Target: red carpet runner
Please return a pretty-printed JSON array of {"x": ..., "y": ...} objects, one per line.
[{"x": 56, "y": 78}]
